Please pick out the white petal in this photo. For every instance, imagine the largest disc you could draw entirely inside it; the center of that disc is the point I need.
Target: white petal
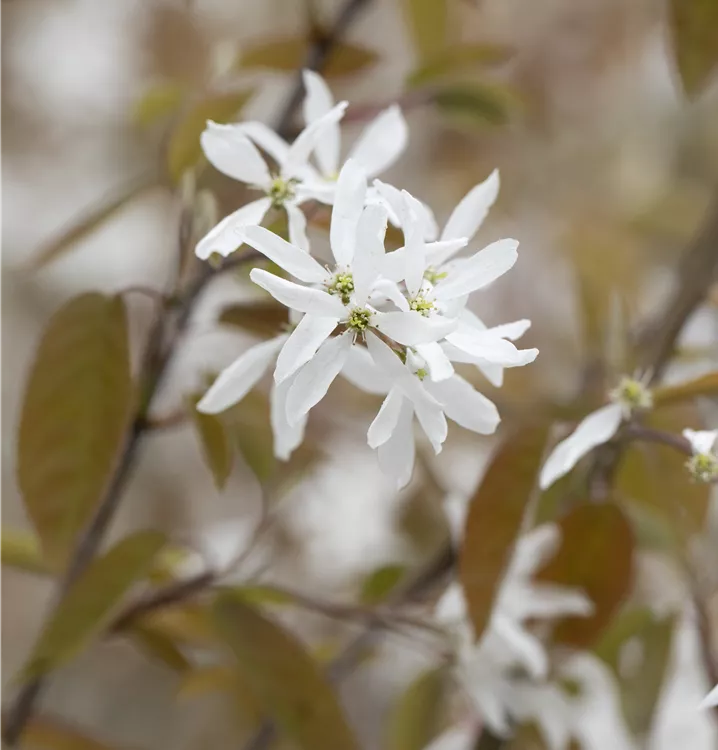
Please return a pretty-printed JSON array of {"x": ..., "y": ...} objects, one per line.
[
  {"x": 702, "y": 441},
  {"x": 317, "y": 102},
  {"x": 711, "y": 699},
  {"x": 511, "y": 331},
  {"x": 438, "y": 364},
  {"x": 301, "y": 298},
  {"x": 234, "y": 154},
  {"x": 235, "y": 382},
  {"x": 286, "y": 255},
  {"x": 313, "y": 189},
  {"x": 369, "y": 252},
  {"x": 297, "y": 222},
  {"x": 361, "y": 371},
  {"x": 433, "y": 422},
  {"x": 533, "y": 549},
  {"x": 528, "y": 649},
  {"x": 467, "y": 217},
  {"x": 384, "y": 424},
  {"x": 396, "y": 456},
  {"x": 412, "y": 328},
  {"x": 348, "y": 207},
  {"x": 388, "y": 291},
  {"x": 489, "y": 348},
  {"x": 394, "y": 266},
  {"x": 493, "y": 373},
  {"x": 382, "y": 141},
  {"x": 597, "y": 428},
  {"x": 266, "y": 139},
  {"x": 548, "y": 601},
  {"x": 437, "y": 253},
  {"x": 225, "y": 238},
  {"x": 463, "y": 404},
  {"x": 303, "y": 343},
  {"x": 307, "y": 140},
  {"x": 415, "y": 249},
  {"x": 286, "y": 437},
  {"x": 312, "y": 382},
  {"x": 479, "y": 270}
]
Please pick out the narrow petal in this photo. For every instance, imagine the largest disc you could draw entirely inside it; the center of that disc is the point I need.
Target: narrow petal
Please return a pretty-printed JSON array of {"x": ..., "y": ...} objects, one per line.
[
  {"x": 437, "y": 253},
  {"x": 438, "y": 364},
  {"x": 492, "y": 372},
  {"x": 307, "y": 140},
  {"x": 348, "y": 207},
  {"x": 702, "y": 441},
  {"x": 291, "y": 258},
  {"x": 382, "y": 142},
  {"x": 711, "y": 700},
  {"x": 388, "y": 291},
  {"x": 266, "y": 139},
  {"x": 511, "y": 331},
  {"x": 463, "y": 404},
  {"x": 287, "y": 437},
  {"x": 415, "y": 248},
  {"x": 361, "y": 371},
  {"x": 528, "y": 649},
  {"x": 301, "y": 298},
  {"x": 479, "y": 270},
  {"x": 297, "y": 226},
  {"x": 225, "y": 238},
  {"x": 312, "y": 382},
  {"x": 394, "y": 267},
  {"x": 596, "y": 429},
  {"x": 412, "y": 328},
  {"x": 302, "y": 345},
  {"x": 317, "y": 102},
  {"x": 240, "y": 377},
  {"x": 369, "y": 252},
  {"x": 384, "y": 424},
  {"x": 234, "y": 154},
  {"x": 489, "y": 348},
  {"x": 396, "y": 456},
  {"x": 471, "y": 211},
  {"x": 433, "y": 422}
]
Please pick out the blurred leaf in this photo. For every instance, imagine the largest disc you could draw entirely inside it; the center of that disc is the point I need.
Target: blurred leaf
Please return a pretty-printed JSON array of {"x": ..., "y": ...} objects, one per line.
[
  {"x": 478, "y": 103},
  {"x": 428, "y": 22},
  {"x": 261, "y": 594},
  {"x": 284, "y": 678},
  {"x": 694, "y": 26},
  {"x": 457, "y": 59},
  {"x": 416, "y": 717},
  {"x": 261, "y": 318},
  {"x": 74, "y": 418},
  {"x": 90, "y": 602},
  {"x": 48, "y": 734},
  {"x": 189, "y": 624},
  {"x": 215, "y": 442},
  {"x": 381, "y": 582},
  {"x": 249, "y": 425},
  {"x": 202, "y": 680},
  {"x": 289, "y": 54},
  {"x": 495, "y": 518},
  {"x": 157, "y": 103},
  {"x": 21, "y": 550},
  {"x": 627, "y": 624},
  {"x": 93, "y": 218},
  {"x": 184, "y": 149},
  {"x": 596, "y": 555},
  {"x": 159, "y": 646},
  {"x": 705, "y": 385}
]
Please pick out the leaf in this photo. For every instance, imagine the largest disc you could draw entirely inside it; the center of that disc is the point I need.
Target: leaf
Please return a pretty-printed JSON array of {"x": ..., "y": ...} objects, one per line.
[
  {"x": 288, "y": 54},
  {"x": 694, "y": 27},
  {"x": 478, "y": 103},
  {"x": 261, "y": 594},
  {"x": 157, "y": 103},
  {"x": 91, "y": 601},
  {"x": 596, "y": 555},
  {"x": 627, "y": 624},
  {"x": 283, "y": 677},
  {"x": 705, "y": 385},
  {"x": 159, "y": 646},
  {"x": 188, "y": 624},
  {"x": 416, "y": 717},
  {"x": 495, "y": 518},
  {"x": 74, "y": 418},
  {"x": 41, "y": 733},
  {"x": 215, "y": 442},
  {"x": 249, "y": 426},
  {"x": 264, "y": 319},
  {"x": 184, "y": 150},
  {"x": 93, "y": 218},
  {"x": 456, "y": 60},
  {"x": 428, "y": 22},
  {"x": 381, "y": 582},
  {"x": 21, "y": 550}
]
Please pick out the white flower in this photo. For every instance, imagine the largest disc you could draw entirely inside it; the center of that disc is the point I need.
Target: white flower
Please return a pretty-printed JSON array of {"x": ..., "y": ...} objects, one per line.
[
  {"x": 595, "y": 429},
  {"x": 229, "y": 149},
  {"x": 703, "y": 464},
  {"x": 711, "y": 700}
]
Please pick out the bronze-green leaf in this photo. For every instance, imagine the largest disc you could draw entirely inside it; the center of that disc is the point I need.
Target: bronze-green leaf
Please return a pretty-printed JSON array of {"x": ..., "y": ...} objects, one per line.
[
  {"x": 482, "y": 104},
  {"x": 495, "y": 517},
  {"x": 458, "y": 59},
  {"x": 596, "y": 556},
  {"x": 215, "y": 442},
  {"x": 184, "y": 150},
  {"x": 42, "y": 733},
  {"x": 417, "y": 715},
  {"x": 249, "y": 425},
  {"x": 158, "y": 102},
  {"x": 21, "y": 550},
  {"x": 705, "y": 385},
  {"x": 91, "y": 601},
  {"x": 428, "y": 22},
  {"x": 74, "y": 418},
  {"x": 285, "y": 679},
  {"x": 159, "y": 646},
  {"x": 694, "y": 27},
  {"x": 377, "y": 586}
]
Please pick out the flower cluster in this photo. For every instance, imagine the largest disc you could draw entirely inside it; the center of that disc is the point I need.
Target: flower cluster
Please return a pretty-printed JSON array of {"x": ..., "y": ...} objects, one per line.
[{"x": 392, "y": 323}]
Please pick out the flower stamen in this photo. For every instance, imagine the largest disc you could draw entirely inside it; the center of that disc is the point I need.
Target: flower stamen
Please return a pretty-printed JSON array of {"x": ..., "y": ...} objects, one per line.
[
  {"x": 342, "y": 284},
  {"x": 282, "y": 190},
  {"x": 421, "y": 305}
]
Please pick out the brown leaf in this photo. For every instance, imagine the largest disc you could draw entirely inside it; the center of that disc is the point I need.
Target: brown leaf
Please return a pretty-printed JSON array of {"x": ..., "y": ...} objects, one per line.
[
  {"x": 215, "y": 443},
  {"x": 74, "y": 418},
  {"x": 694, "y": 27}
]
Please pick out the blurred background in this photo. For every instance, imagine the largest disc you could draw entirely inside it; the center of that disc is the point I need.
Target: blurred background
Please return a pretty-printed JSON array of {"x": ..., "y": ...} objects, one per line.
[{"x": 607, "y": 166}]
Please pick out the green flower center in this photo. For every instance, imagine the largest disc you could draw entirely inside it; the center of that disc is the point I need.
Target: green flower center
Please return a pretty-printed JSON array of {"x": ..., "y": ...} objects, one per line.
[
  {"x": 422, "y": 305},
  {"x": 433, "y": 276},
  {"x": 342, "y": 285},
  {"x": 359, "y": 319},
  {"x": 703, "y": 467},
  {"x": 282, "y": 190},
  {"x": 421, "y": 373},
  {"x": 632, "y": 395}
]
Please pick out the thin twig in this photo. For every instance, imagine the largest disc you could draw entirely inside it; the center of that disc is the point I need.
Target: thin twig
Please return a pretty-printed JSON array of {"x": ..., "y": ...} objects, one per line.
[{"x": 650, "y": 435}]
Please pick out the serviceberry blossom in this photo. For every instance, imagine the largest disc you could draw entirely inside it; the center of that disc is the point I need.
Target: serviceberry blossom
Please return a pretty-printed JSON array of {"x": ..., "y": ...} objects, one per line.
[
  {"x": 711, "y": 700},
  {"x": 703, "y": 464},
  {"x": 630, "y": 396}
]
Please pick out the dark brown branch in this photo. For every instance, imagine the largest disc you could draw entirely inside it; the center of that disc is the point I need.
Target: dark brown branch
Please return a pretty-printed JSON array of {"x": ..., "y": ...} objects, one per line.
[{"x": 650, "y": 435}]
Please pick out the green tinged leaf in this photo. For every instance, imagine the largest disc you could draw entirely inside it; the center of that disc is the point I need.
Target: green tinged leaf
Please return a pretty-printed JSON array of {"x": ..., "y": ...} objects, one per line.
[
  {"x": 694, "y": 27},
  {"x": 495, "y": 519},
  {"x": 417, "y": 716},
  {"x": 381, "y": 582},
  {"x": 261, "y": 594},
  {"x": 184, "y": 149},
  {"x": 705, "y": 385},
  {"x": 428, "y": 22},
  {"x": 74, "y": 418},
  {"x": 289, "y": 54},
  {"x": 478, "y": 103},
  {"x": 596, "y": 555},
  {"x": 261, "y": 318},
  {"x": 93, "y": 218},
  {"x": 158, "y": 646},
  {"x": 627, "y": 624},
  {"x": 215, "y": 442},
  {"x": 21, "y": 550},
  {"x": 458, "y": 59},
  {"x": 91, "y": 601},
  {"x": 287, "y": 682},
  {"x": 249, "y": 425},
  {"x": 157, "y": 103},
  {"x": 42, "y": 733}
]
